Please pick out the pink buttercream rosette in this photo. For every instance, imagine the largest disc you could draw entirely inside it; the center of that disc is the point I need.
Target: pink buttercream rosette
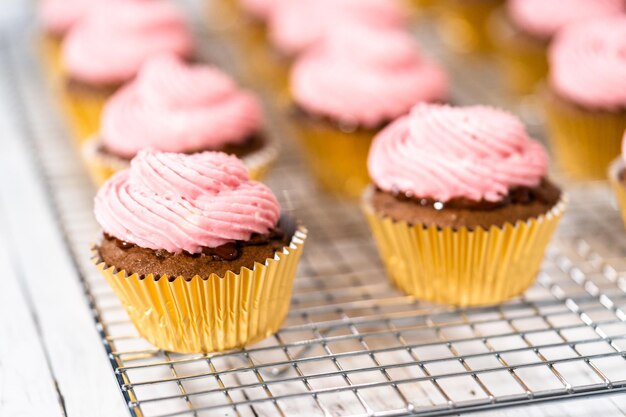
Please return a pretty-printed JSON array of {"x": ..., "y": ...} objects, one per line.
[{"x": 178, "y": 202}]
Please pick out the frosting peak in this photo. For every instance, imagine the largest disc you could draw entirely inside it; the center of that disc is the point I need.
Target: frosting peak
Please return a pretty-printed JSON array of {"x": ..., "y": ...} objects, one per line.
[
  {"x": 444, "y": 152},
  {"x": 178, "y": 202},
  {"x": 365, "y": 76},
  {"x": 543, "y": 18},
  {"x": 109, "y": 45},
  {"x": 298, "y": 25},
  {"x": 177, "y": 107},
  {"x": 588, "y": 63}
]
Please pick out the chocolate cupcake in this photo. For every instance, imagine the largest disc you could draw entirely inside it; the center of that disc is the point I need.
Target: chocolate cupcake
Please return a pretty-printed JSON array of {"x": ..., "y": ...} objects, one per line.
[
  {"x": 461, "y": 206},
  {"x": 348, "y": 88},
  {"x": 294, "y": 27},
  {"x": 196, "y": 251},
  {"x": 585, "y": 99},
  {"x": 173, "y": 106},
  {"x": 106, "y": 48}
]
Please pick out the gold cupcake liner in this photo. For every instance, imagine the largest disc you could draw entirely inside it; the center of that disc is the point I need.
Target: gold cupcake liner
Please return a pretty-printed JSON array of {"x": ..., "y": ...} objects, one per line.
[
  {"x": 423, "y": 4},
  {"x": 209, "y": 314},
  {"x": 584, "y": 141},
  {"x": 463, "y": 267},
  {"x": 102, "y": 166},
  {"x": 50, "y": 53},
  {"x": 523, "y": 60},
  {"x": 614, "y": 171},
  {"x": 463, "y": 24},
  {"x": 338, "y": 158},
  {"x": 264, "y": 68},
  {"x": 82, "y": 110}
]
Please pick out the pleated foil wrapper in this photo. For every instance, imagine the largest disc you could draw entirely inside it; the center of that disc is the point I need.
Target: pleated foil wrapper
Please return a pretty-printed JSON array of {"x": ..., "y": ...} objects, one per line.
[
  {"x": 584, "y": 141},
  {"x": 210, "y": 314},
  {"x": 338, "y": 158},
  {"x": 463, "y": 24},
  {"x": 82, "y": 110},
  {"x": 463, "y": 267},
  {"x": 617, "y": 185},
  {"x": 523, "y": 60},
  {"x": 102, "y": 166},
  {"x": 50, "y": 55}
]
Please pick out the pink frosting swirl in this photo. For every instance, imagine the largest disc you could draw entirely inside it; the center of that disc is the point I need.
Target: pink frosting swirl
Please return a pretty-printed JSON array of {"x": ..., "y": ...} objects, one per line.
[
  {"x": 175, "y": 107},
  {"x": 444, "y": 152},
  {"x": 297, "y": 25},
  {"x": 259, "y": 9},
  {"x": 180, "y": 202},
  {"x": 109, "y": 45},
  {"x": 365, "y": 76},
  {"x": 543, "y": 18},
  {"x": 588, "y": 63}
]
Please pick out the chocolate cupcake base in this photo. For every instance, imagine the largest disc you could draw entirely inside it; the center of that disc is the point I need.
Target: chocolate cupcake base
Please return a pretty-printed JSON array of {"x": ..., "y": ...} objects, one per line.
[
  {"x": 228, "y": 257},
  {"x": 462, "y": 267},
  {"x": 521, "y": 203},
  {"x": 206, "y": 314}
]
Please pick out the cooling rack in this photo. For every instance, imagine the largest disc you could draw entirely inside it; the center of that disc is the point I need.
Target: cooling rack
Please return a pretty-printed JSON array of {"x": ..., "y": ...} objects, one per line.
[{"x": 352, "y": 345}]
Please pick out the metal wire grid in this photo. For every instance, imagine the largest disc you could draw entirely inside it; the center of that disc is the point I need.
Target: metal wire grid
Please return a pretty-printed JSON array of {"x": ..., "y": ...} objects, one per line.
[{"x": 352, "y": 345}]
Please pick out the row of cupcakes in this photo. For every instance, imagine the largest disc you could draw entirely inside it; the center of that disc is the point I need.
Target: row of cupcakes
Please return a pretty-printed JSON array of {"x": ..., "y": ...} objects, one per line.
[
  {"x": 129, "y": 81},
  {"x": 202, "y": 259},
  {"x": 571, "y": 53},
  {"x": 583, "y": 97},
  {"x": 461, "y": 206},
  {"x": 345, "y": 69}
]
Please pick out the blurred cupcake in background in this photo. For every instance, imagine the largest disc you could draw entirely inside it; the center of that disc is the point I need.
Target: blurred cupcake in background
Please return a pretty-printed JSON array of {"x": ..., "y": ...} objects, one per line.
[
  {"x": 295, "y": 26},
  {"x": 107, "y": 48},
  {"x": 350, "y": 86},
  {"x": 298, "y": 25},
  {"x": 463, "y": 24},
  {"x": 249, "y": 36},
  {"x": 523, "y": 29},
  {"x": 200, "y": 255},
  {"x": 57, "y": 18},
  {"x": 461, "y": 207},
  {"x": 617, "y": 178},
  {"x": 585, "y": 100},
  {"x": 173, "y": 106},
  {"x": 240, "y": 20}
]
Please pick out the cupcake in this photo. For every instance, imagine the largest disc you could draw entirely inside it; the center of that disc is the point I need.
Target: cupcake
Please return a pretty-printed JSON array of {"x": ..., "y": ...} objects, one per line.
[
  {"x": 172, "y": 106},
  {"x": 461, "y": 207},
  {"x": 523, "y": 30},
  {"x": 107, "y": 48},
  {"x": 348, "y": 88},
  {"x": 585, "y": 99},
  {"x": 617, "y": 178},
  {"x": 198, "y": 253},
  {"x": 295, "y": 26},
  {"x": 463, "y": 24}
]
